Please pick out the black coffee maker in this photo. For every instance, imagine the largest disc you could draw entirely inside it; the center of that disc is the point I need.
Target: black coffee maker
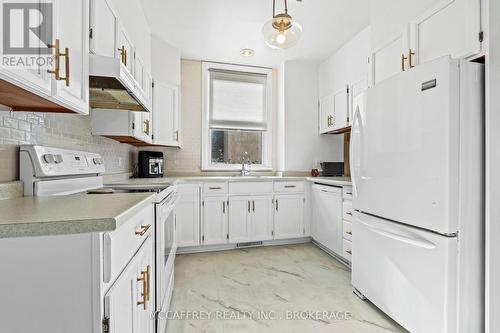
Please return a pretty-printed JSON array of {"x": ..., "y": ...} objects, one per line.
[{"x": 150, "y": 164}]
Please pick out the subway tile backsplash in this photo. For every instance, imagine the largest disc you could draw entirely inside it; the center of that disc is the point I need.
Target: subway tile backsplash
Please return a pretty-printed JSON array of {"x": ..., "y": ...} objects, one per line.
[{"x": 59, "y": 130}]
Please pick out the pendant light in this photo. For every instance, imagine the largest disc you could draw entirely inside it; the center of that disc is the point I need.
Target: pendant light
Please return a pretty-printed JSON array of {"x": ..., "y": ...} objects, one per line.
[{"x": 281, "y": 32}]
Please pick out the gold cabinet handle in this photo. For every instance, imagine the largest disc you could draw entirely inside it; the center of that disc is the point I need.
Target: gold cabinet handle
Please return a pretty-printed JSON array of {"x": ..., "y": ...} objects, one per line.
[
  {"x": 148, "y": 280},
  {"x": 277, "y": 205},
  {"x": 56, "y": 70},
  {"x": 144, "y": 229},
  {"x": 223, "y": 207},
  {"x": 403, "y": 62},
  {"x": 146, "y": 126},
  {"x": 253, "y": 206},
  {"x": 176, "y": 135},
  {"x": 410, "y": 56},
  {"x": 146, "y": 288},
  {"x": 215, "y": 188},
  {"x": 66, "y": 62},
  {"x": 123, "y": 54},
  {"x": 248, "y": 202}
]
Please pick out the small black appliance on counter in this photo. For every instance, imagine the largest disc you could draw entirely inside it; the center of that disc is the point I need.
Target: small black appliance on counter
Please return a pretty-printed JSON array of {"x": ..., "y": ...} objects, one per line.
[
  {"x": 332, "y": 169},
  {"x": 150, "y": 164}
]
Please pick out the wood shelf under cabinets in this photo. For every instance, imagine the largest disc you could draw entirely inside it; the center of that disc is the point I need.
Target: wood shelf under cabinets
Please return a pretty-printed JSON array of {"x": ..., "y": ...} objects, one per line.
[{"x": 19, "y": 99}]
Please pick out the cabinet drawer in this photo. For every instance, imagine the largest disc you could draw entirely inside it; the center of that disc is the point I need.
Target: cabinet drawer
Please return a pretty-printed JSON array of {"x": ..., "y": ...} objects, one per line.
[
  {"x": 347, "y": 230},
  {"x": 347, "y": 249},
  {"x": 215, "y": 188},
  {"x": 288, "y": 186},
  {"x": 247, "y": 188},
  {"x": 121, "y": 244},
  {"x": 347, "y": 210},
  {"x": 347, "y": 192}
]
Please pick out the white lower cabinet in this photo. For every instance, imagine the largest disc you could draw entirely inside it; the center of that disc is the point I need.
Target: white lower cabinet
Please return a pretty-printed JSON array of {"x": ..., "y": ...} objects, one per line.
[
  {"x": 250, "y": 218},
  {"x": 215, "y": 220},
  {"x": 188, "y": 215},
  {"x": 129, "y": 302},
  {"x": 288, "y": 216}
]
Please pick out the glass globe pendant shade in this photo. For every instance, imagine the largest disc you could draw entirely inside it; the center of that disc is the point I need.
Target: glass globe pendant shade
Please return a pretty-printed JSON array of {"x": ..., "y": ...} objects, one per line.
[{"x": 281, "y": 38}]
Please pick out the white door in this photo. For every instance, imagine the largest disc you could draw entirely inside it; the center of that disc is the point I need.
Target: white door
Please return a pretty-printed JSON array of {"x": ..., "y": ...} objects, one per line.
[
  {"x": 289, "y": 216},
  {"x": 408, "y": 273},
  {"x": 126, "y": 48},
  {"x": 103, "y": 29},
  {"x": 165, "y": 114},
  {"x": 390, "y": 58},
  {"x": 215, "y": 214},
  {"x": 71, "y": 29},
  {"x": 451, "y": 27},
  {"x": 239, "y": 217},
  {"x": 145, "y": 289},
  {"x": 261, "y": 220},
  {"x": 326, "y": 109},
  {"x": 327, "y": 215},
  {"x": 340, "y": 109},
  {"x": 188, "y": 215},
  {"x": 406, "y": 146},
  {"x": 32, "y": 77}
]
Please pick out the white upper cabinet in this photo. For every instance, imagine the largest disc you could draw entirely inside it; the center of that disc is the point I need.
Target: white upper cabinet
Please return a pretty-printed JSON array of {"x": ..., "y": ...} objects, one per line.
[
  {"x": 166, "y": 114},
  {"x": 63, "y": 82},
  {"x": 125, "y": 48},
  {"x": 447, "y": 28},
  {"x": 390, "y": 57},
  {"x": 103, "y": 29},
  {"x": 70, "y": 86}
]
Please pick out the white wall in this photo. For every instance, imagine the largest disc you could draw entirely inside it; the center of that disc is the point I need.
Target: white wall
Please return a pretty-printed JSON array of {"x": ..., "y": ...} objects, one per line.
[
  {"x": 165, "y": 61},
  {"x": 348, "y": 65},
  {"x": 134, "y": 20},
  {"x": 303, "y": 145}
]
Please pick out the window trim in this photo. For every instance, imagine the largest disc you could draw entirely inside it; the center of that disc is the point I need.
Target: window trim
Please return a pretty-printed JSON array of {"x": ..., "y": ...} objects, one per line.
[{"x": 267, "y": 140}]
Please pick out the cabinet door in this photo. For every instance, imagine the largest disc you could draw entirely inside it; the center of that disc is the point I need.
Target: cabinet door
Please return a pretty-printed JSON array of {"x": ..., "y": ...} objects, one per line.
[
  {"x": 71, "y": 29},
  {"x": 165, "y": 114},
  {"x": 188, "y": 215},
  {"x": 289, "y": 216},
  {"x": 340, "y": 109},
  {"x": 145, "y": 289},
  {"x": 261, "y": 218},
  {"x": 34, "y": 77},
  {"x": 215, "y": 220},
  {"x": 126, "y": 48},
  {"x": 326, "y": 109},
  {"x": 239, "y": 216},
  {"x": 355, "y": 89},
  {"x": 139, "y": 70},
  {"x": 387, "y": 59},
  {"x": 103, "y": 23},
  {"x": 451, "y": 27},
  {"x": 142, "y": 129}
]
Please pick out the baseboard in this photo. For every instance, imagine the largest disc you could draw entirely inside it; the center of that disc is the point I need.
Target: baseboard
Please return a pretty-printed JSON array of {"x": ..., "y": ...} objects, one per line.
[
  {"x": 332, "y": 254},
  {"x": 226, "y": 247}
]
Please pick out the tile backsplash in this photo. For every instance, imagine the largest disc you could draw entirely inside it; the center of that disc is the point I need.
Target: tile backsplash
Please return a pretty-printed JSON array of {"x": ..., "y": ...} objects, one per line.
[{"x": 59, "y": 130}]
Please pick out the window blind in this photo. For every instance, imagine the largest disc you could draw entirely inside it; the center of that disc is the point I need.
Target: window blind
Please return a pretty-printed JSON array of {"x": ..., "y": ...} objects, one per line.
[{"x": 237, "y": 100}]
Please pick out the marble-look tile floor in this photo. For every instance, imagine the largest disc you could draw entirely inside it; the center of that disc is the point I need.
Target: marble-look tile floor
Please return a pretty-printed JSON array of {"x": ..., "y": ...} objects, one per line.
[{"x": 260, "y": 289}]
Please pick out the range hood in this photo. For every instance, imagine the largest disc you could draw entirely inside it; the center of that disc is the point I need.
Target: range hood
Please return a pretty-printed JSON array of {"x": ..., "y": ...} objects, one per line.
[{"x": 111, "y": 86}]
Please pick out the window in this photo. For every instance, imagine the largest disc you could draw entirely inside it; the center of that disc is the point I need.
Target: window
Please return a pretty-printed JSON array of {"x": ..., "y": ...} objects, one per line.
[{"x": 237, "y": 104}]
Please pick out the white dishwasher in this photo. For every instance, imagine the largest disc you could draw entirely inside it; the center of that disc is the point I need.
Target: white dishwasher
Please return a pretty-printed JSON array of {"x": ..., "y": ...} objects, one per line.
[{"x": 327, "y": 217}]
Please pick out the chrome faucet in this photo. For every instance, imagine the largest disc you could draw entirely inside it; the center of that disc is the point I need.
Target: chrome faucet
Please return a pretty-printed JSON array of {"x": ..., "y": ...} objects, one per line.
[{"x": 245, "y": 167}]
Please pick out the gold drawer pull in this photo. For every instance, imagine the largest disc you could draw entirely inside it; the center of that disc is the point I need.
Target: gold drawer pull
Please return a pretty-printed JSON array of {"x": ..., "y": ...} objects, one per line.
[
  {"x": 144, "y": 229},
  {"x": 410, "y": 56}
]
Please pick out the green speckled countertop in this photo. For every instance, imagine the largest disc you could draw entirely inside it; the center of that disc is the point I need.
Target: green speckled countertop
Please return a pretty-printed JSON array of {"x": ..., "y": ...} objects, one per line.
[{"x": 70, "y": 214}]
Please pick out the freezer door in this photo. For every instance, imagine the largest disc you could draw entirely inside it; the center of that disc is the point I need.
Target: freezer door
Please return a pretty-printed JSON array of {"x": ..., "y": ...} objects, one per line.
[
  {"x": 408, "y": 273},
  {"x": 406, "y": 147}
]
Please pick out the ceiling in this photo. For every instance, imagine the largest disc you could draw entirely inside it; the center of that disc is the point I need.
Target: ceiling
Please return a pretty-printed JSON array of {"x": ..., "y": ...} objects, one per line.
[{"x": 216, "y": 30}]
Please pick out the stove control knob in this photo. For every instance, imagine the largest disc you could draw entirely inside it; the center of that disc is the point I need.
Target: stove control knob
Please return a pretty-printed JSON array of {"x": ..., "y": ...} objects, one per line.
[
  {"x": 48, "y": 158},
  {"x": 58, "y": 158}
]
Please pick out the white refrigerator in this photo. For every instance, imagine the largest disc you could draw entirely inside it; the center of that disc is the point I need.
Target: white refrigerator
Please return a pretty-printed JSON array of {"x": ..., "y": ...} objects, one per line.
[{"x": 417, "y": 171}]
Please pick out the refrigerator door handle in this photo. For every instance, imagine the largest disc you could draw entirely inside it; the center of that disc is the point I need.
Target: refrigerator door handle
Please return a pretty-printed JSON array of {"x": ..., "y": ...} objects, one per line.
[
  {"x": 420, "y": 242},
  {"x": 354, "y": 150}
]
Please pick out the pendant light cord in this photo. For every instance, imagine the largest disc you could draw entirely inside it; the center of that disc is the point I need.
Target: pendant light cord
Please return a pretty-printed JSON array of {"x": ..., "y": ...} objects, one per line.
[
  {"x": 286, "y": 8},
  {"x": 274, "y": 8}
]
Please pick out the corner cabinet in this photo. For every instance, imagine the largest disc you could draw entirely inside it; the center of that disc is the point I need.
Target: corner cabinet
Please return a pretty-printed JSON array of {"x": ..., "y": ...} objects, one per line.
[
  {"x": 63, "y": 85},
  {"x": 334, "y": 112}
]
